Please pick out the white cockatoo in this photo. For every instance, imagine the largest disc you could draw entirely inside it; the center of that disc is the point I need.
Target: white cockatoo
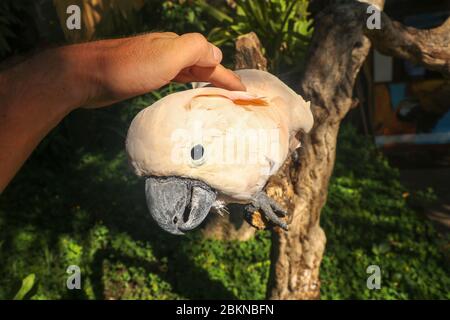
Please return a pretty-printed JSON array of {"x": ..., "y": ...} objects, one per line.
[{"x": 207, "y": 147}]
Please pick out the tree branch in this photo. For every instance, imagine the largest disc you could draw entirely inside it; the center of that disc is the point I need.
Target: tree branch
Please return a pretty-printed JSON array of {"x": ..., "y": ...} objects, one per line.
[
  {"x": 430, "y": 48},
  {"x": 249, "y": 53}
]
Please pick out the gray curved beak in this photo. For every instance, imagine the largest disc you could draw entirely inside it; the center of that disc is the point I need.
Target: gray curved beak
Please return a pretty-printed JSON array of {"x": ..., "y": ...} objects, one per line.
[{"x": 178, "y": 204}]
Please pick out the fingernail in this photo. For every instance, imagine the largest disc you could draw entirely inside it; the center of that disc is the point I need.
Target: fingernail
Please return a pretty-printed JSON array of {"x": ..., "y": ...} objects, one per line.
[
  {"x": 217, "y": 53},
  {"x": 235, "y": 75},
  {"x": 240, "y": 81}
]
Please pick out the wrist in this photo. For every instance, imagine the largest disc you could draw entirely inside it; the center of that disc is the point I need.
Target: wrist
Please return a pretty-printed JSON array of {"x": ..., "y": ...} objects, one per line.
[{"x": 80, "y": 74}]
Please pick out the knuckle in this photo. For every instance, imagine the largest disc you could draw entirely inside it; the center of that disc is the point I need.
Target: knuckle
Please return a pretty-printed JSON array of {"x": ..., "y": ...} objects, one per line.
[
  {"x": 171, "y": 34},
  {"x": 195, "y": 37}
]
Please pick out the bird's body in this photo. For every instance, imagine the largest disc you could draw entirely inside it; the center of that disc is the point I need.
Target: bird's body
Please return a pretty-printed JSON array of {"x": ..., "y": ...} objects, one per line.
[{"x": 230, "y": 141}]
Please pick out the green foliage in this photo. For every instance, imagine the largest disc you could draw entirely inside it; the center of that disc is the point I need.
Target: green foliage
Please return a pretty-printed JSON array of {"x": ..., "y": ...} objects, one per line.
[
  {"x": 367, "y": 221},
  {"x": 155, "y": 15},
  {"x": 183, "y": 16},
  {"x": 23, "y": 24},
  {"x": 27, "y": 285},
  {"x": 92, "y": 213},
  {"x": 7, "y": 19},
  {"x": 12, "y": 16},
  {"x": 282, "y": 26}
]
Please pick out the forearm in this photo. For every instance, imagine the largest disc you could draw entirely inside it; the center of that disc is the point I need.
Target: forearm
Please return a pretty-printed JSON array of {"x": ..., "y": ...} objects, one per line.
[{"x": 34, "y": 97}]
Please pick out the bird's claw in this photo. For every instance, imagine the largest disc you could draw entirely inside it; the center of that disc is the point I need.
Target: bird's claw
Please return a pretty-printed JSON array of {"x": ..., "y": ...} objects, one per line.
[{"x": 269, "y": 207}]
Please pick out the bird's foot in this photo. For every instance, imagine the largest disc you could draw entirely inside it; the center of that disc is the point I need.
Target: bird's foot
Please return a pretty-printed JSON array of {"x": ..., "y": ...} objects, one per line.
[{"x": 269, "y": 207}]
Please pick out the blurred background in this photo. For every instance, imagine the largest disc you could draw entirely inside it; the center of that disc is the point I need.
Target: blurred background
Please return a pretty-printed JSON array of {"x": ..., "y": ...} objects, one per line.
[{"x": 76, "y": 202}]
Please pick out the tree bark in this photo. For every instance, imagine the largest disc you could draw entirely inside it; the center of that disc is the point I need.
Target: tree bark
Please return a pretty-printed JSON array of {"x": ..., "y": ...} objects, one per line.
[
  {"x": 337, "y": 51},
  {"x": 249, "y": 53},
  {"x": 430, "y": 48}
]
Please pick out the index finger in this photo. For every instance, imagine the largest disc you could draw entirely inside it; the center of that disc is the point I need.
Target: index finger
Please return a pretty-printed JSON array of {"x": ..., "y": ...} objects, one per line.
[
  {"x": 227, "y": 79},
  {"x": 219, "y": 76}
]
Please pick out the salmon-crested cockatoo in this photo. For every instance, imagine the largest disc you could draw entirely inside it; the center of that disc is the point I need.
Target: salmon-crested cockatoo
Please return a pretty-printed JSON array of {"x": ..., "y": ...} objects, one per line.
[{"x": 206, "y": 147}]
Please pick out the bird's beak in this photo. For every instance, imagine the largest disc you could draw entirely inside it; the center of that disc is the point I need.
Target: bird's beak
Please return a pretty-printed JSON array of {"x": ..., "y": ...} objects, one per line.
[{"x": 178, "y": 204}]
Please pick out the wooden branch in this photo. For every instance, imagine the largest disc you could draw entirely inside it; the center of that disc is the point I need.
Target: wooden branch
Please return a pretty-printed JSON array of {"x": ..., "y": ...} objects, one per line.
[
  {"x": 430, "y": 48},
  {"x": 249, "y": 53}
]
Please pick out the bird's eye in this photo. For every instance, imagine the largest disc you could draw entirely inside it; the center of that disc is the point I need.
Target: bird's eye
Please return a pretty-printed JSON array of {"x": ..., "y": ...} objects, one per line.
[{"x": 197, "y": 152}]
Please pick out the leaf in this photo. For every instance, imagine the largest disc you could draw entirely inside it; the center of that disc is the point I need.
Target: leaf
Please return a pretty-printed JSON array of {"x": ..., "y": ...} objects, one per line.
[
  {"x": 215, "y": 13},
  {"x": 27, "y": 284}
]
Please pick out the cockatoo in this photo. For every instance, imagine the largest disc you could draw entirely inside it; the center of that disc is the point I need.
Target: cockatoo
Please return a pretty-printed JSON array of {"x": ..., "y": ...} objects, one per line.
[{"x": 207, "y": 147}]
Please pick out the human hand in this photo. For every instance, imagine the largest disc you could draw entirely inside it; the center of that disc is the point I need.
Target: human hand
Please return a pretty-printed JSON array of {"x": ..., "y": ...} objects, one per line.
[
  {"x": 39, "y": 92},
  {"x": 132, "y": 66}
]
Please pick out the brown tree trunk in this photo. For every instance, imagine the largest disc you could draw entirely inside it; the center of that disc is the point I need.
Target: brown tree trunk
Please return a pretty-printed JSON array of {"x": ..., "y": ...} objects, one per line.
[{"x": 337, "y": 51}]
